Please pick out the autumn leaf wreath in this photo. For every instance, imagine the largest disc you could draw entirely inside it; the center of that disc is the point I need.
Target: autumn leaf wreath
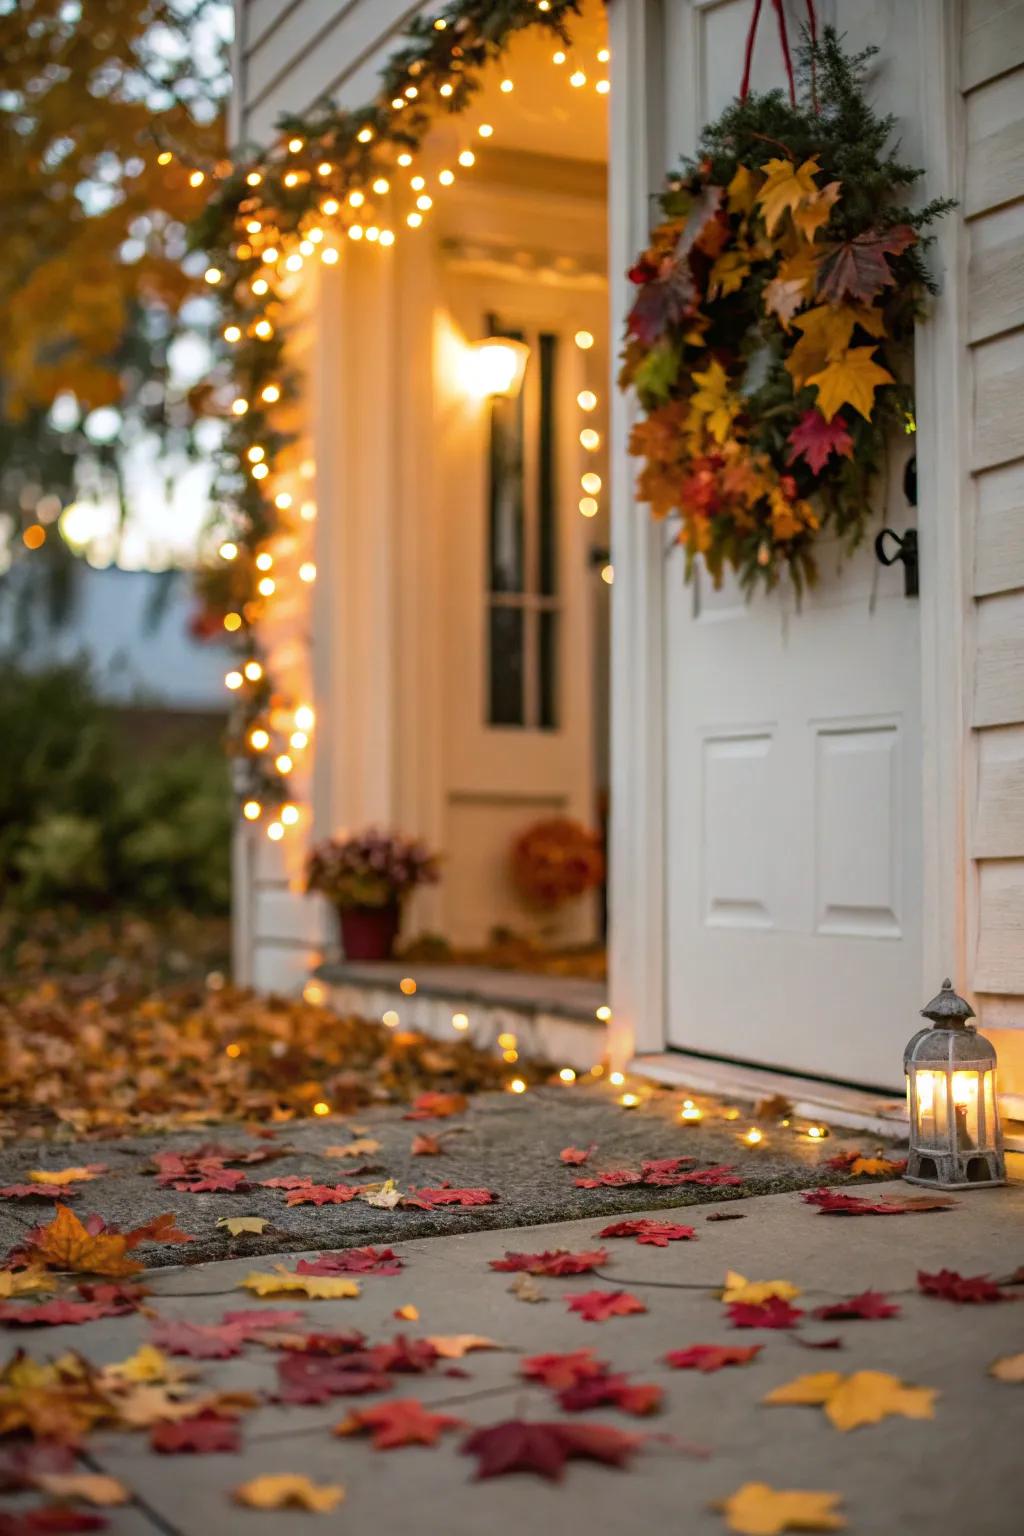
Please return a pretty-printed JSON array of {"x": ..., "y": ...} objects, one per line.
[{"x": 775, "y": 304}]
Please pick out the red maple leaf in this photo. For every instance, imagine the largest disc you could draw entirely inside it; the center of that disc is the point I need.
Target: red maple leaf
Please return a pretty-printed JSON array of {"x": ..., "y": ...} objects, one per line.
[
  {"x": 351, "y": 1341},
  {"x": 253, "y": 1321},
  {"x": 663, "y": 1169},
  {"x": 561, "y": 1371},
  {"x": 322, "y": 1194},
  {"x": 721, "y": 1174},
  {"x": 443, "y": 1195},
  {"x": 40, "y": 1191},
  {"x": 868, "y": 1304},
  {"x": 402, "y": 1421},
  {"x": 203, "y": 1434},
  {"x": 352, "y": 1261},
  {"x": 613, "y": 1177},
  {"x": 318, "y": 1378},
  {"x": 816, "y": 440},
  {"x": 436, "y": 1106},
  {"x": 599, "y": 1306},
  {"x": 118, "y": 1296},
  {"x": 712, "y": 1357},
  {"x": 557, "y": 1261},
  {"x": 162, "y": 1229},
  {"x": 286, "y": 1181},
  {"x": 218, "y": 1181},
  {"x": 658, "y": 1233},
  {"x": 857, "y": 269},
  {"x": 832, "y": 1202},
  {"x": 607, "y": 1391},
  {"x": 52, "y": 1314},
  {"x": 773, "y": 1313},
  {"x": 51, "y": 1520},
  {"x": 202, "y": 1341},
  {"x": 408, "y": 1356},
  {"x": 577, "y": 1154},
  {"x": 544, "y": 1448},
  {"x": 961, "y": 1288}
]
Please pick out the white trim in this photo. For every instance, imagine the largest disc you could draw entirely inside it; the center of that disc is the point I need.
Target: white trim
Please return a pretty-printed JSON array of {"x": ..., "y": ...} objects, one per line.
[{"x": 636, "y": 893}]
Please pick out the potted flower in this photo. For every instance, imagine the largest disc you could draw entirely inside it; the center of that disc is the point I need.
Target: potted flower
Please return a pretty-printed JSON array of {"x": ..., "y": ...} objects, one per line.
[
  {"x": 555, "y": 861},
  {"x": 365, "y": 878}
]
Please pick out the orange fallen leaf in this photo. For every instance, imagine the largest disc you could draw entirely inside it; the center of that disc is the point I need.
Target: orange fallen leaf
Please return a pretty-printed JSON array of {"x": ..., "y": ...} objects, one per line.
[
  {"x": 452, "y": 1346},
  {"x": 92, "y": 1487},
  {"x": 758, "y": 1510},
  {"x": 289, "y": 1490},
  {"x": 363, "y": 1147},
  {"x": 1009, "y": 1368},
  {"x": 738, "y": 1288},
  {"x": 66, "y": 1244},
  {"x": 866, "y": 1397},
  {"x": 66, "y": 1175},
  {"x": 409, "y": 1313},
  {"x": 22, "y": 1282}
]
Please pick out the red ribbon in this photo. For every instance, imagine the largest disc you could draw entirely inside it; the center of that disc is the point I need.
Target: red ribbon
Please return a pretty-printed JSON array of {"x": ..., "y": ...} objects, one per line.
[{"x": 780, "y": 16}]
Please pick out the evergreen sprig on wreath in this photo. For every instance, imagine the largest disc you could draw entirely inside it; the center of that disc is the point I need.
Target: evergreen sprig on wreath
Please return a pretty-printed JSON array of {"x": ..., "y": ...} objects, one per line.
[{"x": 776, "y": 300}]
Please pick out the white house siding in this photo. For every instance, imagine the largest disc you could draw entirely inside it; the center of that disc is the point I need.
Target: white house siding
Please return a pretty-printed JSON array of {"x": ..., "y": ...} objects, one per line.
[{"x": 992, "y": 87}]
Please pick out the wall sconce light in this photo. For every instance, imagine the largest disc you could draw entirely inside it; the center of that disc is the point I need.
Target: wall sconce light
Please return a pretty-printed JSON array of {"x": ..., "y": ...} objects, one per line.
[
  {"x": 495, "y": 367},
  {"x": 955, "y": 1139}
]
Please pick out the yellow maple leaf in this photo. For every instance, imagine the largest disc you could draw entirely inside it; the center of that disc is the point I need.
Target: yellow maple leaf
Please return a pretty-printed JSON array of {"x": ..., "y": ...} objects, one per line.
[
  {"x": 61, "y": 1175},
  {"x": 289, "y": 1490},
  {"x": 874, "y": 1165},
  {"x": 408, "y": 1313},
  {"x": 452, "y": 1346},
  {"x": 237, "y": 1225},
  {"x": 866, "y": 1397},
  {"x": 1009, "y": 1368},
  {"x": 825, "y": 333},
  {"x": 712, "y": 401},
  {"x": 741, "y": 192},
  {"x": 786, "y": 188},
  {"x": 22, "y": 1282},
  {"x": 67, "y": 1244},
  {"x": 758, "y": 1510},
  {"x": 738, "y": 1288},
  {"x": 850, "y": 379},
  {"x": 317, "y": 1287},
  {"x": 147, "y": 1364},
  {"x": 92, "y": 1487},
  {"x": 791, "y": 286},
  {"x": 727, "y": 274},
  {"x": 362, "y": 1147},
  {"x": 811, "y": 215},
  {"x": 147, "y": 1403}
]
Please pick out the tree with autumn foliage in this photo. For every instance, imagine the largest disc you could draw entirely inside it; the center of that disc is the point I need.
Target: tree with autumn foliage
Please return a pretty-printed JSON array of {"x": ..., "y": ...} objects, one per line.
[{"x": 105, "y": 115}]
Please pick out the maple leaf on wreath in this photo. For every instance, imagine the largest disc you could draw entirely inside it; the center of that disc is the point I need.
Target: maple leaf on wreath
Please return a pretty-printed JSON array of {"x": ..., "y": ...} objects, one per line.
[
  {"x": 816, "y": 440},
  {"x": 758, "y": 1510},
  {"x": 559, "y": 1371},
  {"x": 712, "y": 1357},
  {"x": 352, "y": 1261},
  {"x": 850, "y": 379},
  {"x": 656, "y": 1233},
  {"x": 773, "y": 1313},
  {"x": 202, "y": 1434},
  {"x": 868, "y": 1304},
  {"x": 402, "y": 1421},
  {"x": 961, "y": 1288},
  {"x": 557, "y": 1261},
  {"x": 518, "y": 1446},
  {"x": 786, "y": 188},
  {"x": 857, "y": 269},
  {"x": 599, "y": 1306}
]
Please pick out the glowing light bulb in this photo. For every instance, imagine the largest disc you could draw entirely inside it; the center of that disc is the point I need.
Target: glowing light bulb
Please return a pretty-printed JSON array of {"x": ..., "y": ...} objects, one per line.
[
  {"x": 603, "y": 87},
  {"x": 292, "y": 179},
  {"x": 558, "y": 57},
  {"x": 253, "y": 671},
  {"x": 356, "y": 199},
  {"x": 275, "y": 831},
  {"x": 591, "y": 482},
  {"x": 510, "y": 1056},
  {"x": 608, "y": 574},
  {"x": 313, "y": 992},
  {"x": 253, "y": 179},
  {"x": 365, "y": 135},
  {"x": 321, "y": 1108},
  {"x": 271, "y": 393},
  {"x": 414, "y": 220},
  {"x": 603, "y": 1013},
  {"x": 485, "y": 130},
  {"x": 164, "y": 157},
  {"x": 308, "y": 511},
  {"x": 213, "y": 276},
  {"x": 289, "y": 815},
  {"x": 584, "y": 340},
  {"x": 259, "y": 739},
  {"x": 294, "y": 262},
  {"x": 232, "y": 621},
  {"x": 284, "y": 763},
  {"x": 228, "y": 551},
  {"x": 233, "y": 680},
  {"x": 239, "y": 407},
  {"x": 577, "y": 78},
  {"x": 405, "y": 158},
  {"x": 417, "y": 183},
  {"x": 298, "y": 740},
  {"x": 753, "y": 1137},
  {"x": 467, "y": 158},
  {"x": 329, "y": 256},
  {"x": 460, "y": 1021},
  {"x": 616, "y": 1079},
  {"x": 507, "y": 1041},
  {"x": 590, "y": 440},
  {"x": 264, "y": 561},
  {"x": 407, "y": 985},
  {"x": 324, "y": 168},
  {"x": 629, "y": 1100},
  {"x": 372, "y": 232},
  {"x": 283, "y": 500},
  {"x": 263, "y": 329},
  {"x": 691, "y": 1113},
  {"x": 517, "y": 1085},
  {"x": 381, "y": 185},
  {"x": 819, "y": 1132},
  {"x": 506, "y": 87},
  {"x": 588, "y": 506},
  {"x": 260, "y": 471},
  {"x": 586, "y": 400},
  {"x": 267, "y": 587},
  {"x": 387, "y": 237},
  {"x": 252, "y": 810},
  {"x": 567, "y": 1075},
  {"x": 390, "y": 1018},
  {"x": 446, "y": 178},
  {"x": 232, "y": 334},
  {"x": 294, "y": 145},
  {"x": 446, "y": 90},
  {"x": 330, "y": 206},
  {"x": 424, "y": 201},
  {"x": 196, "y": 179},
  {"x": 603, "y": 55},
  {"x": 305, "y": 719},
  {"x": 255, "y": 454},
  {"x": 270, "y": 255},
  {"x": 307, "y": 571}
]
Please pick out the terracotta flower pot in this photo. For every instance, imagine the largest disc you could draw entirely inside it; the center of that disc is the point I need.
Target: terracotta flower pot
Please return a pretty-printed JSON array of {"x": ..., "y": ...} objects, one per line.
[{"x": 369, "y": 933}]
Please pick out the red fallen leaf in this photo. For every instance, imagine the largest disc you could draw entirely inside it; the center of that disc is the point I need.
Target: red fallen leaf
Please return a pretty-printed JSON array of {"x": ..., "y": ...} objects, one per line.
[
  {"x": 557, "y": 1261},
  {"x": 322, "y": 1194},
  {"x": 205, "y": 1433},
  {"x": 869, "y": 1304},
  {"x": 119, "y": 1296},
  {"x": 835, "y": 1343},
  {"x": 712, "y": 1357},
  {"x": 544, "y": 1448},
  {"x": 347, "y": 1343},
  {"x": 220, "y": 1181},
  {"x": 436, "y": 1106},
  {"x": 253, "y": 1321},
  {"x": 426, "y": 1199},
  {"x": 599, "y": 1306},
  {"x": 21, "y": 1464},
  {"x": 162, "y": 1229},
  {"x": 352, "y": 1261},
  {"x": 961, "y": 1288},
  {"x": 216, "y": 1151},
  {"x": 201, "y": 1341},
  {"x": 832, "y": 1202},
  {"x": 773, "y": 1313},
  {"x": 612, "y": 1392},
  {"x": 561, "y": 1371},
  {"x": 577, "y": 1154},
  {"x": 51, "y": 1521},
  {"x": 286, "y": 1181},
  {"x": 53, "y": 1314},
  {"x": 658, "y": 1233},
  {"x": 656, "y": 1169},
  {"x": 402, "y": 1421},
  {"x": 408, "y": 1356},
  {"x": 40, "y": 1191},
  {"x": 816, "y": 440},
  {"x": 614, "y": 1176},
  {"x": 318, "y": 1378},
  {"x": 425, "y": 1145},
  {"x": 857, "y": 269},
  {"x": 722, "y": 1174}
]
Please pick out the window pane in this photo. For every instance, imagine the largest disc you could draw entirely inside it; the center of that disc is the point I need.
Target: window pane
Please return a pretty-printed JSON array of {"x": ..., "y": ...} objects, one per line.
[
  {"x": 547, "y": 517},
  {"x": 547, "y": 668},
  {"x": 507, "y": 551},
  {"x": 505, "y": 665}
]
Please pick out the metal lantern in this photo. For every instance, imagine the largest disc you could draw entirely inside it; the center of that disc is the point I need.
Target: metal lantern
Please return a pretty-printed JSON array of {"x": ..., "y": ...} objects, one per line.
[{"x": 955, "y": 1140}]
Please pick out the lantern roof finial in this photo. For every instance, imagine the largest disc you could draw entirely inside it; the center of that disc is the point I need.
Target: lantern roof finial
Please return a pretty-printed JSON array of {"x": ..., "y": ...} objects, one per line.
[{"x": 947, "y": 1009}]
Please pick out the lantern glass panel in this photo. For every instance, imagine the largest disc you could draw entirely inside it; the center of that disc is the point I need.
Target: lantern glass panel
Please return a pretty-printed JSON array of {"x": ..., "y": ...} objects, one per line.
[
  {"x": 931, "y": 1109},
  {"x": 966, "y": 1087},
  {"x": 988, "y": 1080}
]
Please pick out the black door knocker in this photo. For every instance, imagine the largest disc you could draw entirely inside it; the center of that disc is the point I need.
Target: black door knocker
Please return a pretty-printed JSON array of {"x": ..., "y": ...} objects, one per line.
[{"x": 906, "y": 550}]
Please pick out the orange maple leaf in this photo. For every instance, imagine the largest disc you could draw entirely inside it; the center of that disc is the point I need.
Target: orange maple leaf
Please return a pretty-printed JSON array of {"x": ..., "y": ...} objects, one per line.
[{"x": 67, "y": 1244}]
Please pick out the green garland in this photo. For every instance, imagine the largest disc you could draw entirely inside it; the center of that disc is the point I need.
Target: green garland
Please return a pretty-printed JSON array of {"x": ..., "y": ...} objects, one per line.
[
  {"x": 775, "y": 305},
  {"x": 274, "y": 211}
]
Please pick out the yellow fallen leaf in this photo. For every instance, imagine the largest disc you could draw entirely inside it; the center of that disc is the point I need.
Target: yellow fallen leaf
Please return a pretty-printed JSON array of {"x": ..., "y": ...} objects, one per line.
[
  {"x": 361, "y": 1148},
  {"x": 875, "y": 1165},
  {"x": 738, "y": 1288},
  {"x": 386, "y": 1196},
  {"x": 289, "y": 1490},
  {"x": 866, "y": 1397},
  {"x": 236, "y": 1225},
  {"x": 409, "y": 1313},
  {"x": 22, "y": 1282},
  {"x": 92, "y": 1487},
  {"x": 61, "y": 1175},
  {"x": 147, "y": 1364},
  {"x": 1009, "y": 1368},
  {"x": 283, "y": 1283},
  {"x": 758, "y": 1510},
  {"x": 150, "y": 1403},
  {"x": 452, "y": 1346}
]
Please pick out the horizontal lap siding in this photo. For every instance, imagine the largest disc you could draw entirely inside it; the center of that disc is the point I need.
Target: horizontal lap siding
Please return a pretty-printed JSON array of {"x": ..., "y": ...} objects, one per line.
[
  {"x": 992, "y": 80},
  {"x": 294, "y": 52}
]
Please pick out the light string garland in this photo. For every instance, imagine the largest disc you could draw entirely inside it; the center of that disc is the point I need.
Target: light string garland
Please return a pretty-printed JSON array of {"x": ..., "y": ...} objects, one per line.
[{"x": 334, "y": 176}]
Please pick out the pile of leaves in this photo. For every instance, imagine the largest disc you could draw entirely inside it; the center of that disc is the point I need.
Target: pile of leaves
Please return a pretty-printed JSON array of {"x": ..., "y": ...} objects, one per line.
[{"x": 775, "y": 298}]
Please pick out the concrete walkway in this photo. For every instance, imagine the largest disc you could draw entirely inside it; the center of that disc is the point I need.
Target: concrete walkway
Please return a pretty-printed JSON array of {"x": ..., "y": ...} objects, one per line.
[{"x": 961, "y": 1474}]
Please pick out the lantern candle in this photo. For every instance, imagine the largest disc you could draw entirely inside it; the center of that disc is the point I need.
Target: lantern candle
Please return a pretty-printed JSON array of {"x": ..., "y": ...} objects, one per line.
[{"x": 955, "y": 1138}]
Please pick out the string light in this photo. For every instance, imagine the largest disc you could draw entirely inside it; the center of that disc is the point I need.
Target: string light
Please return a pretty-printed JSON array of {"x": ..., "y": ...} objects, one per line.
[
  {"x": 330, "y": 206},
  {"x": 691, "y": 1113},
  {"x": 267, "y": 587},
  {"x": 239, "y": 407},
  {"x": 320, "y": 1108},
  {"x": 608, "y": 574},
  {"x": 591, "y": 482},
  {"x": 232, "y": 333},
  {"x": 260, "y": 286},
  {"x": 414, "y": 220},
  {"x": 603, "y": 1013},
  {"x": 517, "y": 1085},
  {"x": 467, "y": 158},
  {"x": 289, "y": 815},
  {"x": 381, "y": 185},
  {"x": 213, "y": 275},
  {"x": 264, "y": 561},
  {"x": 228, "y": 551},
  {"x": 298, "y": 740},
  {"x": 567, "y": 1075},
  {"x": 307, "y": 571},
  {"x": 590, "y": 440},
  {"x": 253, "y": 671},
  {"x": 365, "y": 135},
  {"x": 577, "y": 78},
  {"x": 283, "y": 500},
  {"x": 294, "y": 146},
  {"x": 390, "y": 1018},
  {"x": 603, "y": 87},
  {"x": 558, "y": 57},
  {"x": 260, "y": 471},
  {"x": 616, "y": 1079},
  {"x": 387, "y": 237},
  {"x": 584, "y": 340},
  {"x": 284, "y": 763},
  {"x": 263, "y": 329},
  {"x": 196, "y": 179},
  {"x": 446, "y": 178},
  {"x": 586, "y": 400},
  {"x": 506, "y": 87},
  {"x": 407, "y": 985},
  {"x": 252, "y": 810},
  {"x": 629, "y": 1100},
  {"x": 446, "y": 90},
  {"x": 329, "y": 256},
  {"x": 34, "y": 536},
  {"x": 405, "y": 158},
  {"x": 275, "y": 832},
  {"x": 753, "y": 1137},
  {"x": 259, "y": 739},
  {"x": 233, "y": 680},
  {"x": 164, "y": 157},
  {"x": 460, "y": 1021},
  {"x": 588, "y": 506},
  {"x": 253, "y": 179},
  {"x": 232, "y": 621},
  {"x": 603, "y": 55}
]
